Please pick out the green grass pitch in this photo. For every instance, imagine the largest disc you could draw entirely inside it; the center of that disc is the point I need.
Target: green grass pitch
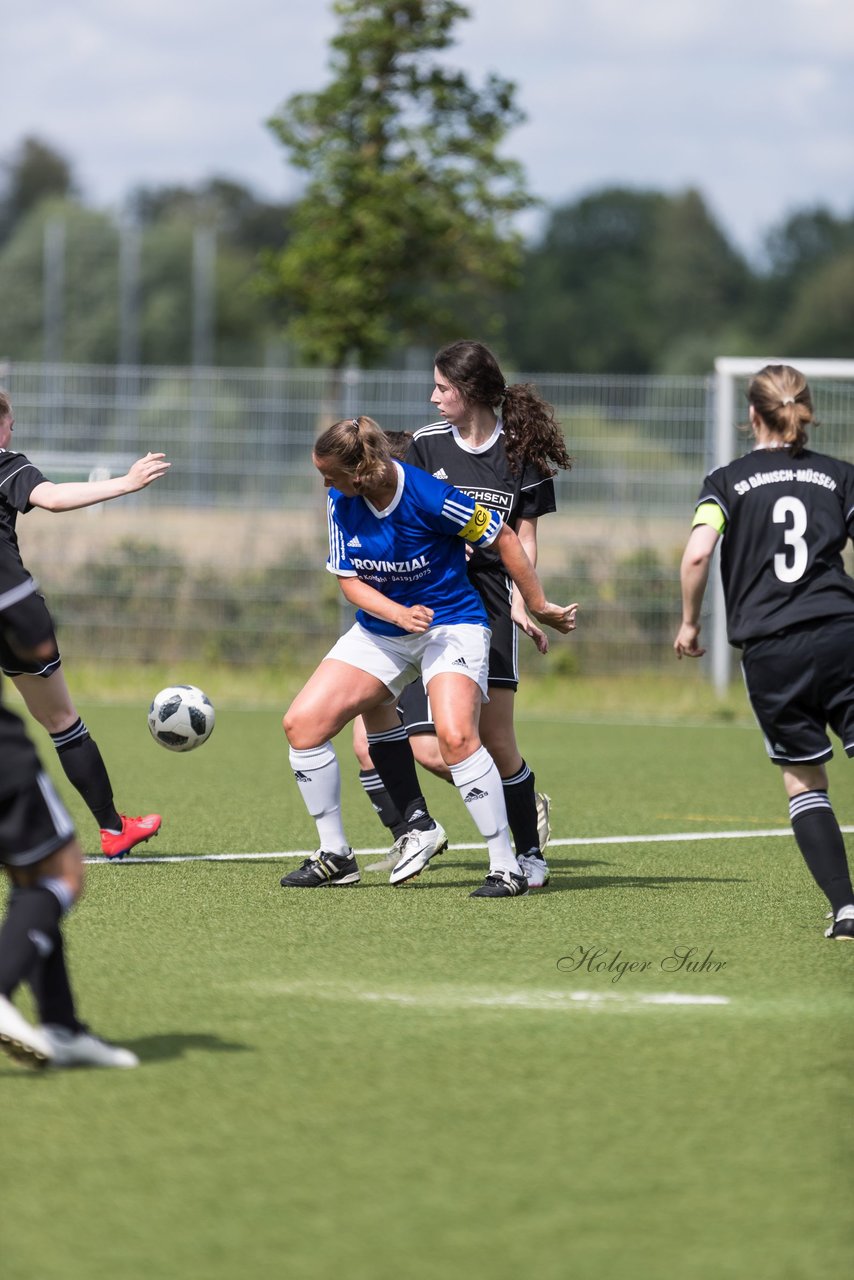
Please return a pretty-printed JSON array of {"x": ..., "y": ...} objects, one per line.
[{"x": 642, "y": 1072}]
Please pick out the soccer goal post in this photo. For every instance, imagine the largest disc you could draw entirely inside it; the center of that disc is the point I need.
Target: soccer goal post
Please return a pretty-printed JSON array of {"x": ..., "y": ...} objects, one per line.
[{"x": 832, "y": 386}]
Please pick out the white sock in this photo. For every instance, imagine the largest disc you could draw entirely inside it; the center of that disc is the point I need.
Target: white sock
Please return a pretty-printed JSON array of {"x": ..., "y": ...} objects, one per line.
[
  {"x": 319, "y": 780},
  {"x": 479, "y": 783}
]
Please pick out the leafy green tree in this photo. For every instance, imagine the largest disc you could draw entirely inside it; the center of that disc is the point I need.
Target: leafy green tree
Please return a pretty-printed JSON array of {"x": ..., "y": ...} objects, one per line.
[
  {"x": 89, "y": 303},
  {"x": 35, "y": 172},
  {"x": 628, "y": 281},
  {"x": 584, "y": 305},
  {"x": 408, "y": 212},
  {"x": 698, "y": 284},
  {"x": 802, "y": 254},
  {"x": 805, "y": 241},
  {"x": 820, "y": 321},
  {"x": 237, "y": 215},
  {"x": 242, "y": 321}
]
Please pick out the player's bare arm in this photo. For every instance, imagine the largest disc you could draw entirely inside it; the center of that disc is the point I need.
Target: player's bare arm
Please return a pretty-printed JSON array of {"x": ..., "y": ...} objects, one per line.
[
  {"x": 519, "y": 567},
  {"x": 72, "y": 495},
  {"x": 694, "y": 576},
  {"x": 414, "y": 619}
]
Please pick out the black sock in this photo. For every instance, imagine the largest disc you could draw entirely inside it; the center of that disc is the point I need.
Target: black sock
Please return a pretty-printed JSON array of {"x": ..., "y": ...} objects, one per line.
[
  {"x": 521, "y": 801},
  {"x": 85, "y": 769},
  {"x": 820, "y": 842},
  {"x": 384, "y": 806},
  {"x": 29, "y": 932},
  {"x": 391, "y": 753},
  {"x": 52, "y": 989}
]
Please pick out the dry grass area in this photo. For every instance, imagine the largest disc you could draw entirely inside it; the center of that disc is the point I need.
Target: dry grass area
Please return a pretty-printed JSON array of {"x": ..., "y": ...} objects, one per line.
[{"x": 231, "y": 540}]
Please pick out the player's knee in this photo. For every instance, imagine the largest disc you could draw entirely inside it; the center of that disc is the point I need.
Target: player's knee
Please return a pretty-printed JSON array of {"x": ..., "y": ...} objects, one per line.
[
  {"x": 457, "y": 745},
  {"x": 426, "y": 751},
  {"x": 300, "y": 730}
]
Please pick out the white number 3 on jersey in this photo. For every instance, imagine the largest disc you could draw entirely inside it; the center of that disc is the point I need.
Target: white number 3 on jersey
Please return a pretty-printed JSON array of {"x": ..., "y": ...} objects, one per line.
[{"x": 790, "y": 565}]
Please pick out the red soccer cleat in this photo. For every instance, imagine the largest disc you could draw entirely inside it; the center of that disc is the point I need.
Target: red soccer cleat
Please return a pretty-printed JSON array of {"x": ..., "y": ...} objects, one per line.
[{"x": 115, "y": 844}]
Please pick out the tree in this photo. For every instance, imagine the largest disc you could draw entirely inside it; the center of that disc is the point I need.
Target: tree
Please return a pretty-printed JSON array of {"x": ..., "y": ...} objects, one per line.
[
  {"x": 821, "y": 321},
  {"x": 89, "y": 295},
  {"x": 408, "y": 212},
  {"x": 583, "y": 305},
  {"x": 232, "y": 209},
  {"x": 36, "y": 172},
  {"x": 628, "y": 281}
]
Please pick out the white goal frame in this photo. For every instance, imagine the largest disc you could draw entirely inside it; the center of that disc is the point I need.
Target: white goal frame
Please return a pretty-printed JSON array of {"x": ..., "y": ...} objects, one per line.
[{"x": 727, "y": 370}]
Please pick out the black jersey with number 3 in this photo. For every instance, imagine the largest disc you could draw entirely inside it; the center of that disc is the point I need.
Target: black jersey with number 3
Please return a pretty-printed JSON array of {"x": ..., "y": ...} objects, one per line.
[
  {"x": 483, "y": 472},
  {"x": 787, "y": 520}
]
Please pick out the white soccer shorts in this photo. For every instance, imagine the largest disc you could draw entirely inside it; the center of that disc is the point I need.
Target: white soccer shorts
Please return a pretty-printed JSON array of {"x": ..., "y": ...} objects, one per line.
[{"x": 461, "y": 648}]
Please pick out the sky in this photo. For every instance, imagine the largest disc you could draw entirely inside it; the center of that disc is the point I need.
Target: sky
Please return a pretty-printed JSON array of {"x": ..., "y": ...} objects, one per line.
[{"x": 749, "y": 101}]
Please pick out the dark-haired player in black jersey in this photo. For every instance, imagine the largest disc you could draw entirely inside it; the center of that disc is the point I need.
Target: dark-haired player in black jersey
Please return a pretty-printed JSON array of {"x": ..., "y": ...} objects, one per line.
[
  {"x": 44, "y": 861},
  {"x": 41, "y": 682},
  {"x": 502, "y": 446},
  {"x": 785, "y": 514}
]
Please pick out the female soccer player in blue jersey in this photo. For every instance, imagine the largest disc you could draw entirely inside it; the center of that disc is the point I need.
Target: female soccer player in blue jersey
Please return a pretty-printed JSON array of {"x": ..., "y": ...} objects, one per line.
[
  {"x": 785, "y": 514},
  {"x": 397, "y": 539},
  {"x": 502, "y": 445}
]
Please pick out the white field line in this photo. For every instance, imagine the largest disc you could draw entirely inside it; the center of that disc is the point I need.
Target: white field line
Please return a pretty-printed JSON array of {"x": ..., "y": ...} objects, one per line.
[
  {"x": 453, "y": 997},
  {"x": 574, "y": 842}
]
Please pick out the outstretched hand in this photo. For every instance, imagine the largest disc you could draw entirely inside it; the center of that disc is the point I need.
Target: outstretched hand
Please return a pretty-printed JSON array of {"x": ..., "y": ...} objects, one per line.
[
  {"x": 144, "y": 470},
  {"x": 560, "y": 617}
]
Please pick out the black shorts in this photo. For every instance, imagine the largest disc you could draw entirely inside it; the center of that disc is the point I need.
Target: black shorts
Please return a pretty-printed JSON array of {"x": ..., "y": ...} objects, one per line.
[
  {"x": 799, "y": 682},
  {"x": 496, "y": 592},
  {"x": 34, "y": 822},
  {"x": 11, "y": 662}
]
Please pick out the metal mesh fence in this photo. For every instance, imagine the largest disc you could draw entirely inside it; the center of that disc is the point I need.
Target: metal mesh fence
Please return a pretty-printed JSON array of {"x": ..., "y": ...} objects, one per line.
[{"x": 223, "y": 559}]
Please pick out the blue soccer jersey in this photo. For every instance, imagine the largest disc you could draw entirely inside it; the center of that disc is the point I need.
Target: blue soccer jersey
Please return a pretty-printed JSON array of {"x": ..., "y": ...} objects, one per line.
[{"x": 414, "y": 550}]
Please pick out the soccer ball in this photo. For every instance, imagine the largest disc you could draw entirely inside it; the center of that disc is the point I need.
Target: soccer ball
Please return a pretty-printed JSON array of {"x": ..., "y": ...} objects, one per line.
[{"x": 181, "y": 717}]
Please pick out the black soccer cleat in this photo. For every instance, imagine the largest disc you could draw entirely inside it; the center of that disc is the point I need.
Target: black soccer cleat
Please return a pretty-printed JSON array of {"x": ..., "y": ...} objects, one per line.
[
  {"x": 323, "y": 869},
  {"x": 501, "y": 884},
  {"x": 842, "y": 927}
]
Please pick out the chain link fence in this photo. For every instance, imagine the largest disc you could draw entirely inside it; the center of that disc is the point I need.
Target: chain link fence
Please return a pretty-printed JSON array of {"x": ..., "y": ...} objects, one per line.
[{"x": 223, "y": 559}]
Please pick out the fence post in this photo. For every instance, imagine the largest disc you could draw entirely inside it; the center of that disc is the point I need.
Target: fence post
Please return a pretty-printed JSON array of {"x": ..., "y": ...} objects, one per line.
[{"x": 721, "y": 656}]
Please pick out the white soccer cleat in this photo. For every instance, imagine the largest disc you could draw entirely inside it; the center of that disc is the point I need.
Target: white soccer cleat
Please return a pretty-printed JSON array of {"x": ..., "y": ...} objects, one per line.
[
  {"x": 23, "y": 1042},
  {"x": 390, "y": 861},
  {"x": 534, "y": 869},
  {"x": 416, "y": 850},
  {"x": 544, "y": 828},
  {"x": 82, "y": 1049}
]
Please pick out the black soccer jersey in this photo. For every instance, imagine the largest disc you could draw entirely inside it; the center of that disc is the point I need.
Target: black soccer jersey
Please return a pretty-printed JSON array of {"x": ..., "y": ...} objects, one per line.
[
  {"x": 785, "y": 524},
  {"x": 484, "y": 473},
  {"x": 18, "y": 478},
  {"x": 18, "y": 759}
]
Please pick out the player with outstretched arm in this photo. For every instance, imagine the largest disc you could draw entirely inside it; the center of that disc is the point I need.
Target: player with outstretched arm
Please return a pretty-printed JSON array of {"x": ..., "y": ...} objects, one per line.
[
  {"x": 784, "y": 514},
  {"x": 397, "y": 539},
  {"x": 41, "y": 681}
]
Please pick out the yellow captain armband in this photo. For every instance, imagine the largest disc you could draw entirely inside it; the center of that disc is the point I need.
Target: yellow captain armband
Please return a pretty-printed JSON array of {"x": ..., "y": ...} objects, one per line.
[
  {"x": 477, "y": 525},
  {"x": 709, "y": 513}
]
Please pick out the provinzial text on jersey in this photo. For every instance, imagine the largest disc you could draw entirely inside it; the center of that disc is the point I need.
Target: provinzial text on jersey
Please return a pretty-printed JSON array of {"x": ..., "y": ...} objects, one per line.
[
  {"x": 390, "y": 566},
  {"x": 807, "y": 476}
]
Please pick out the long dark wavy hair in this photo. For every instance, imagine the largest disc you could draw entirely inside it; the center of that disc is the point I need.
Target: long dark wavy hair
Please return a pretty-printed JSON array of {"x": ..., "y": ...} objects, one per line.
[{"x": 531, "y": 432}]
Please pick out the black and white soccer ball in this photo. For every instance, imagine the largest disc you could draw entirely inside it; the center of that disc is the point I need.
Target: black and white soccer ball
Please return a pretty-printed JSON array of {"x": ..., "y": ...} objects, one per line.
[{"x": 181, "y": 717}]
